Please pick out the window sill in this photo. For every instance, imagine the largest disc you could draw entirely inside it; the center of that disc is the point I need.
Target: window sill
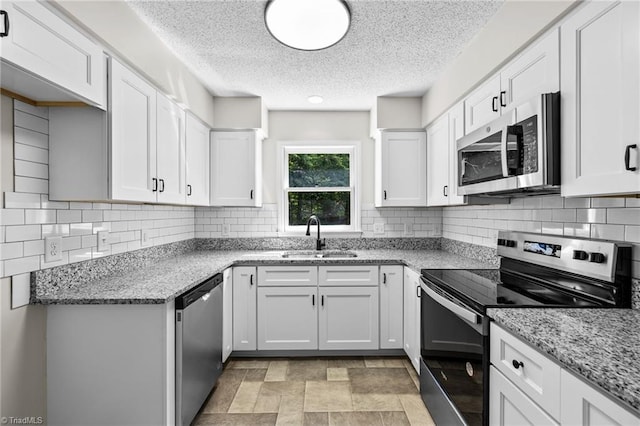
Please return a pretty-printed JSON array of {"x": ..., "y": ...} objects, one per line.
[{"x": 323, "y": 234}]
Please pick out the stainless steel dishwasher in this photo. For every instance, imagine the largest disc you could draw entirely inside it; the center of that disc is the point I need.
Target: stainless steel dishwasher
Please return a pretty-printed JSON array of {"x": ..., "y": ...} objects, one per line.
[{"x": 198, "y": 346}]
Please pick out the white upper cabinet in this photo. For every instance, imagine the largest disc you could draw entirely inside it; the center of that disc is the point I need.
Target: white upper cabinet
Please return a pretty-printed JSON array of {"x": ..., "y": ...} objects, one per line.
[
  {"x": 170, "y": 152},
  {"x": 534, "y": 71},
  {"x": 442, "y": 158},
  {"x": 236, "y": 168},
  {"x": 600, "y": 100},
  {"x": 133, "y": 136},
  {"x": 402, "y": 169},
  {"x": 38, "y": 42},
  {"x": 197, "y": 161}
]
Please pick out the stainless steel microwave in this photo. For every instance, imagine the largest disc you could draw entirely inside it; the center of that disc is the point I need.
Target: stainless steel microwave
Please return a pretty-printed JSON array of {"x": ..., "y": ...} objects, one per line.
[{"x": 516, "y": 154}]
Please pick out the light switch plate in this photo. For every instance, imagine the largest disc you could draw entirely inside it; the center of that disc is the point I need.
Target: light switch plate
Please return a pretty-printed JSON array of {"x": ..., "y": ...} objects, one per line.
[
  {"x": 226, "y": 229},
  {"x": 408, "y": 229},
  {"x": 378, "y": 228},
  {"x": 20, "y": 290},
  {"x": 103, "y": 240},
  {"x": 52, "y": 249}
]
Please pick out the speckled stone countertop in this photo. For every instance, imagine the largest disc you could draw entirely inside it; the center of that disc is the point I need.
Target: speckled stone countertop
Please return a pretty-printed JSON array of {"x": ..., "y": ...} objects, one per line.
[
  {"x": 165, "y": 279},
  {"x": 600, "y": 345}
]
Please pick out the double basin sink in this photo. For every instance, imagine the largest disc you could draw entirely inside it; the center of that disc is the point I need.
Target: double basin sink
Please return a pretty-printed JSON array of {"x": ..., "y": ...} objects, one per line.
[{"x": 318, "y": 254}]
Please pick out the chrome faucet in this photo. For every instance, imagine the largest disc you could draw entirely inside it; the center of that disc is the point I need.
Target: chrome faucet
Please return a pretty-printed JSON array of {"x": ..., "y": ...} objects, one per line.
[{"x": 320, "y": 243}]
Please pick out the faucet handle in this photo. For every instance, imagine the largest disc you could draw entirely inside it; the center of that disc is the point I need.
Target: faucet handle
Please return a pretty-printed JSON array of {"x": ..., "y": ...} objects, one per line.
[{"x": 321, "y": 243}]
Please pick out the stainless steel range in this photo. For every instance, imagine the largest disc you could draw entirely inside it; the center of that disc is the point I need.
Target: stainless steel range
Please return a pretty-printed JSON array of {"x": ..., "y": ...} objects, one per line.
[{"x": 535, "y": 271}]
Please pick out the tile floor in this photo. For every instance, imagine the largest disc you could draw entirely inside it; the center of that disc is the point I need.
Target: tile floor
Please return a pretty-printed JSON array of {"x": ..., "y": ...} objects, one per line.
[{"x": 316, "y": 391}]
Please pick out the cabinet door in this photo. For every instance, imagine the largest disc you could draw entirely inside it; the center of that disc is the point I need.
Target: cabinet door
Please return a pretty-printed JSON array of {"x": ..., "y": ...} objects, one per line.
[
  {"x": 133, "y": 136},
  {"x": 456, "y": 131},
  {"x": 348, "y": 318},
  {"x": 412, "y": 317},
  {"x": 585, "y": 406},
  {"x": 235, "y": 169},
  {"x": 227, "y": 313},
  {"x": 438, "y": 162},
  {"x": 404, "y": 169},
  {"x": 600, "y": 106},
  {"x": 42, "y": 43},
  {"x": 197, "y": 161},
  {"x": 244, "y": 308},
  {"x": 170, "y": 152},
  {"x": 287, "y": 318},
  {"x": 535, "y": 71},
  {"x": 482, "y": 105},
  {"x": 391, "y": 331},
  {"x": 509, "y": 406}
]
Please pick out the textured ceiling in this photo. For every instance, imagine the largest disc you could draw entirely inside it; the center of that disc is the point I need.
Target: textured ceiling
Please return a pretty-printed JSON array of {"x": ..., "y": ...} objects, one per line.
[{"x": 393, "y": 48}]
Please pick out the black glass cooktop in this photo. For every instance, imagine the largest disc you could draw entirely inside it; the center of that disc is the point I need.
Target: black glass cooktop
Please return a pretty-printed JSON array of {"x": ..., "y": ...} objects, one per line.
[{"x": 483, "y": 288}]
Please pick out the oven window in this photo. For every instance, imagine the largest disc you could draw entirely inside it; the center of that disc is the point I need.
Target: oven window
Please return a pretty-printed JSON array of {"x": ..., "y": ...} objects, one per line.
[
  {"x": 480, "y": 161},
  {"x": 454, "y": 353}
]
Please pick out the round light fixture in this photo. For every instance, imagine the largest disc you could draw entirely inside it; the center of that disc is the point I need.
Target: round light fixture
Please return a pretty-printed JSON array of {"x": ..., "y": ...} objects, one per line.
[
  {"x": 307, "y": 24},
  {"x": 315, "y": 99}
]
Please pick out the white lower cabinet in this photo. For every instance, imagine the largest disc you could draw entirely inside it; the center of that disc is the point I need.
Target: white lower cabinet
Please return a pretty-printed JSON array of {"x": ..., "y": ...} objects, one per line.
[
  {"x": 227, "y": 313},
  {"x": 348, "y": 318},
  {"x": 583, "y": 405},
  {"x": 528, "y": 387},
  {"x": 287, "y": 318},
  {"x": 411, "y": 289},
  {"x": 508, "y": 405},
  {"x": 391, "y": 279},
  {"x": 244, "y": 308}
]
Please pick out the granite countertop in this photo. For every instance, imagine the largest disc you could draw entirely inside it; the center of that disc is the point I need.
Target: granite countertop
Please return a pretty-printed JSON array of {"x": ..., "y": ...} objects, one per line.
[
  {"x": 166, "y": 279},
  {"x": 600, "y": 345}
]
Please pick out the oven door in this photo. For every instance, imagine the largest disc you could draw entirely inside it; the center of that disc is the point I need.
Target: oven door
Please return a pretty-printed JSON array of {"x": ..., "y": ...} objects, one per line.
[{"x": 454, "y": 359}]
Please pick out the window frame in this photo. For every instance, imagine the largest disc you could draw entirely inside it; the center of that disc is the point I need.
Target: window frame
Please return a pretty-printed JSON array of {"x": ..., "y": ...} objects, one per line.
[{"x": 318, "y": 147}]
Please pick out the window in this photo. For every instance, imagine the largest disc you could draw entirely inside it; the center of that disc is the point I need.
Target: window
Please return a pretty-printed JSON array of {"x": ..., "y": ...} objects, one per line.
[{"x": 319, "y": 180}]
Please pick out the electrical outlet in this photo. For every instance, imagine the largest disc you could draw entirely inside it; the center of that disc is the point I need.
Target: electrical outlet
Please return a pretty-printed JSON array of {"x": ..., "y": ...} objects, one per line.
[
  {"x": 226, "y": 229},
  {"x": 408, "y": 229},
  {"x": 52, "y": 249},
  {"x": 103, "y": 240},
  {"x": 378, "y": 228},
  {"x": 145, "y": 238}
]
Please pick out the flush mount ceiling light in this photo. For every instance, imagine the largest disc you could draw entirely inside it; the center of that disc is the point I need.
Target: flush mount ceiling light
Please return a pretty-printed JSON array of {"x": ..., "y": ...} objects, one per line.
[
  {"x": 315, "y": 99},
  {"x": 307, "y": 24}
]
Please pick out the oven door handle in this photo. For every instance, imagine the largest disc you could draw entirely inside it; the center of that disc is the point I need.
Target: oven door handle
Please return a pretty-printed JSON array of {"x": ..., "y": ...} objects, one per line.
[{"x": 463, "y": 313}]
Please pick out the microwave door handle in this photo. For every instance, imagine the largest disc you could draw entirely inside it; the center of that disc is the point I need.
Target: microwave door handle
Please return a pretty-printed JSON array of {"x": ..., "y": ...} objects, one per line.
[
  {"x": 463, "y": 313},
  {"x": 503, "y": 151}
]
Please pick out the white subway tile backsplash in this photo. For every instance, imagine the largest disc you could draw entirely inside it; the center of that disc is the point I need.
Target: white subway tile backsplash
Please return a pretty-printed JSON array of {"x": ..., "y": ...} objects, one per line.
[
  {"x": 42, "y": 112},
  {"x": 552, "y": 202},
  {"x": 92, "y": 215},
  {"x": 22, "y": 233},
  {"x": 632, "y": 234},
  {"x": 11, "y": 217},
  {"x": 33, "y": 248},
  {"x": 29, "y": 169},
  {"x": 31, "y": 185},
  {"x": 21, "y": 265},
  {"x": 582, "y": 230},
  {"x": 80, "y": 228},
  {"x": 55, "y": 230},
  {"x": 31, "y": 138},
  {"x": 48, "y": 204},
  {"x": 11, "y": 250},
  {"x": 32, "y": 216},
  {"x": 563, "y": 215},
  {"x": 607, "y": 232},
  {"x": 629, "y": 216},
  {"x": 577, "y": 203},
  {"x": 16, "y": 200},
  {"x": 607, "y": 202},
  {"x": 31, "y": 122},
  {"x": 89, "y": 241},
  {"x": 69, "y": 216},
  {"x": 79, "y": 255},
  {"x": 591, "y": 215},
  {"x": 31, "y": 153}
]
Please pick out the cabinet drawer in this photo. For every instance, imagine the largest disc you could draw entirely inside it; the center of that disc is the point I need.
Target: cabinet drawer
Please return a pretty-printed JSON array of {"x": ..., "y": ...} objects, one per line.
[
  {"x": 285, "y": 276},
  {"x": 348, "y": 275},
  {"x": 509, "y": 406},
  {"x": 537, "y": 376}
]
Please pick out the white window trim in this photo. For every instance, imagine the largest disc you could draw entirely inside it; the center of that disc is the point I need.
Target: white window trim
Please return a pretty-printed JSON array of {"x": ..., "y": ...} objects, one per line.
[{"x": 318, "y": 146}]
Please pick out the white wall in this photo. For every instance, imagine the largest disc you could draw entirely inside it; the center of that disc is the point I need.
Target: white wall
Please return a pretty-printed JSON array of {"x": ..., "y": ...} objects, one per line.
[
  {"x": 118, "y": 27},
  {"x": 511, "y": 28}
]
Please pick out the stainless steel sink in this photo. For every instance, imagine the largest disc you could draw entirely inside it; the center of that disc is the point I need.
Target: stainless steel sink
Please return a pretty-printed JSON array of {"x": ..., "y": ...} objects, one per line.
[{"x": 315, "y": 254}]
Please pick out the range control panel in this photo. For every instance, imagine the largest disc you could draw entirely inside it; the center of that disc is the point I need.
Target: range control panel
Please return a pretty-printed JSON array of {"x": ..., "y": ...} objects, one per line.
[{"x": 592, "y": 258}]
